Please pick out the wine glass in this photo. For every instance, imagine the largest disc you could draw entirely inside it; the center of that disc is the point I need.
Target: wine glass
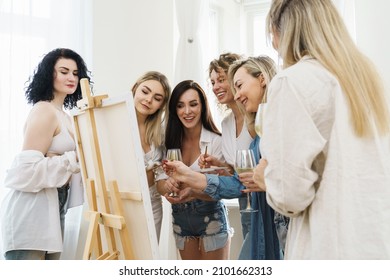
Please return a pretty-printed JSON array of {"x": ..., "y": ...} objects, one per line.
[
  {"x": 245, "y": 162},
  {"x": 174, "y": 154},
  {"x": 259, "y": 118}
]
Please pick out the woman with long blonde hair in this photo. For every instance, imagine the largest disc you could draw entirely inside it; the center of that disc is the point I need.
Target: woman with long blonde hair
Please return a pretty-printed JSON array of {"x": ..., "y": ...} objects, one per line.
[
  {"x": 325, "y": 138},
  {"x": 151, "y": 93}
]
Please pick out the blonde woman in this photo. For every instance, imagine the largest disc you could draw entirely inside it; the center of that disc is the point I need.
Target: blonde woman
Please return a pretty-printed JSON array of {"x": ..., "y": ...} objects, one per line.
[
  {"x": 326, "y": 138},
  {"x": 151, "y": 93},
  {"x": 235, "y": 133}
]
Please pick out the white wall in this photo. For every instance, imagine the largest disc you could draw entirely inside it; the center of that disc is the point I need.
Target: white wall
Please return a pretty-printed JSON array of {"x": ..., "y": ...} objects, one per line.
[
  {"x": 130, "y": 37},
  {"x": 372, "y": 35}
]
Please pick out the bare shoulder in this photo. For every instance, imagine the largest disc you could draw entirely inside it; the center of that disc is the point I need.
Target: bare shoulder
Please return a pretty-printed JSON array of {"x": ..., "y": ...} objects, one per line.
[
  {"x": 42, "y": 114},
  {"x": 42, "y": 107},
  {"x": 41, "y": 126}
]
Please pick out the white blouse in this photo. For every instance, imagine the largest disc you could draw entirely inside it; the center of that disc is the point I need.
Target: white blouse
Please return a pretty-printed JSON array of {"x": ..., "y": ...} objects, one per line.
[
  {"x": 214, "y": 147},
  {"x": 231, "y": 143},
  {"x": 213, "y": 142},
  {"x": 334, "y": 185},
  {"x": 30, "y": 209}
]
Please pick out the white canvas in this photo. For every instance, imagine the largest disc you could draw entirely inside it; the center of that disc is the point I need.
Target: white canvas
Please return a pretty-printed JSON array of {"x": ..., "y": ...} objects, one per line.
[{"x": 122, "y": 160}]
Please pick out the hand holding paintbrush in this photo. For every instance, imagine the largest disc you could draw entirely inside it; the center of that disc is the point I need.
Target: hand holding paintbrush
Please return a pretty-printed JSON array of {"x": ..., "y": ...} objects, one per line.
[{"x": 202, "y": 160}]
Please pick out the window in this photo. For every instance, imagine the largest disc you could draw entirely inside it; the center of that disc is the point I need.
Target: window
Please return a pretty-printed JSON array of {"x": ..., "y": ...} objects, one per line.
[
  {"x": 28, "y": 30},
  {"x": 255, "y": 13},
  {"x": 42, "y": 25},
  {"x": 234, "y": 26}
]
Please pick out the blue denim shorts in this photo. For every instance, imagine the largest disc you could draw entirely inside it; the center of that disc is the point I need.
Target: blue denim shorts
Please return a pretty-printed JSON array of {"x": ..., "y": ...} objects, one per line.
[
  {"x": 206, "y": 220},
  {"x": 281, "y": 224}
]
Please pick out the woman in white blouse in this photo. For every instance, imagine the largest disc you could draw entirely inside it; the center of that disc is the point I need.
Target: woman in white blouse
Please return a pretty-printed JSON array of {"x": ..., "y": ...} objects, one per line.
[
  {"x": 235, "y": 132},
  {"x": 326, "y": 138}
]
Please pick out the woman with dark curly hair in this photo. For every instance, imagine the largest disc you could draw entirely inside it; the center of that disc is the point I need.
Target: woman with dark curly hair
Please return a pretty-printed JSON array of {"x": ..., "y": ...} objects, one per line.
[{"x": 33, "y": 211}]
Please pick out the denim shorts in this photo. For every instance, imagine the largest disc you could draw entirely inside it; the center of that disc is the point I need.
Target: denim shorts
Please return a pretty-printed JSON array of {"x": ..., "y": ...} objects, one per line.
[
  {"x": 206, "y": 220},
  {"x": 281, "y": 224}
]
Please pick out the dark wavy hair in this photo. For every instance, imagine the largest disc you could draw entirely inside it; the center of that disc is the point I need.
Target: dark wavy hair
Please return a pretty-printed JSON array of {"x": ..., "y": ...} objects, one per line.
[
  {"x": 174, "y": 130},
  {"x": 40, "y": 85}
]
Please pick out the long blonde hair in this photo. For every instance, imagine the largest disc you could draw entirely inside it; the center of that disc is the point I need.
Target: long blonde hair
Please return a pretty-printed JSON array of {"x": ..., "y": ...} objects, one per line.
[
  {"x": 155, "y": 123},
  {"x": 315, "y": 28},
  {"x": 255, "y": 66}
]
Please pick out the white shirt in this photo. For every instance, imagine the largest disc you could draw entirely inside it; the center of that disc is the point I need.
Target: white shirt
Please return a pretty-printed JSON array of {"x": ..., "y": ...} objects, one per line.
[
  {"x": 30, "y": 209},
  {"x": 213, "y": 142},
  {"x": 231, "y": 143},
  {"x": 335, "y": 186}
]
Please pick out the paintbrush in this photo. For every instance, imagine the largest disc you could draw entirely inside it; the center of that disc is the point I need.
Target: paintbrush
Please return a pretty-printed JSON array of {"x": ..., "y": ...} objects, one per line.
[{"x": 205, "y": 155}]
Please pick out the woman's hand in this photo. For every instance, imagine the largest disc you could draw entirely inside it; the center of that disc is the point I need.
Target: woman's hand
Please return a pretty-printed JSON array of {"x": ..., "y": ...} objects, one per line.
[
  {"x": 254, "y": 181},
  {"x": 171, "y": 186},
  {"x": 185, "y": 175},
  {"x": 206, "y": 161},
  {"x": 258, "y": 175},
  {"x": 182, "y": 196},
  {"x": 246, "y": 179},
  {"x": 176, "y": 169}
]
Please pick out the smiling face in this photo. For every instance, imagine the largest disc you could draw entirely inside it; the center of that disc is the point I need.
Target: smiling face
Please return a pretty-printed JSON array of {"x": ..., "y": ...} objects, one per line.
[
  {"x": 221, "y": 87},
  {"x": 65, "y": 76},
  {"x": 249, "y": 89},
  {"x": 149, "y": 97},
  {"x": 189, "y": 109}
]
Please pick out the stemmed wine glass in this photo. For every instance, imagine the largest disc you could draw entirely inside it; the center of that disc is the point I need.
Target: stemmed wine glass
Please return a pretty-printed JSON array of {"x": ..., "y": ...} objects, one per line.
[
  {"x": 260, "y": 115},
  {"x": 245, "y": 162},
  {"x": 174, "y": 154}
]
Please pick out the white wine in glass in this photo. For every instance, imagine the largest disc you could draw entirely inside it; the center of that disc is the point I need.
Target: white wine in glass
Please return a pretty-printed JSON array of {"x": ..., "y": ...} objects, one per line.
[
  {"x": 174, "y": 154},
  {"x": 259, "y": 119},
  {"x": 245, "y": 162}
]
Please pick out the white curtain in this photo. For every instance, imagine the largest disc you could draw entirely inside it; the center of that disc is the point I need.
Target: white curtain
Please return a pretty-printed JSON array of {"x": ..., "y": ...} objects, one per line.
[
  {"x": 189, "y": 58},
  {"x": 28, "y": 30}
]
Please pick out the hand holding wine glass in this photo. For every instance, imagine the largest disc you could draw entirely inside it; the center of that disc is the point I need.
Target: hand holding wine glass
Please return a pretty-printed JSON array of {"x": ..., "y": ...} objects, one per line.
[
  {"x": 245, "y": 162},
  {"x": 173, "y": 154}
]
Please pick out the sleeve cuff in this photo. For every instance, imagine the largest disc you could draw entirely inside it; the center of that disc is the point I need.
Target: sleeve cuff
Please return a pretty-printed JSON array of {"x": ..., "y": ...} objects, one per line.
[
  {"x": 73, "y": 166},
  {"x": 212, "y": 186},
  {"x": 159, "y": 174}
]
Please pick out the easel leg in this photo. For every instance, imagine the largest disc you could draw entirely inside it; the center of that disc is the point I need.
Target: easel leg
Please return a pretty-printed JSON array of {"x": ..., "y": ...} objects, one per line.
[
  {"x": 118, "y": 210},
  {"x": 91, "y": 236}
]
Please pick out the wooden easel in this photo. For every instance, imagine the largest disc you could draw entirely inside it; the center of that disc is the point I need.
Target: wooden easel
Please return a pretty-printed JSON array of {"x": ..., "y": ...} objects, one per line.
[{"x": 100, "y": 215}]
